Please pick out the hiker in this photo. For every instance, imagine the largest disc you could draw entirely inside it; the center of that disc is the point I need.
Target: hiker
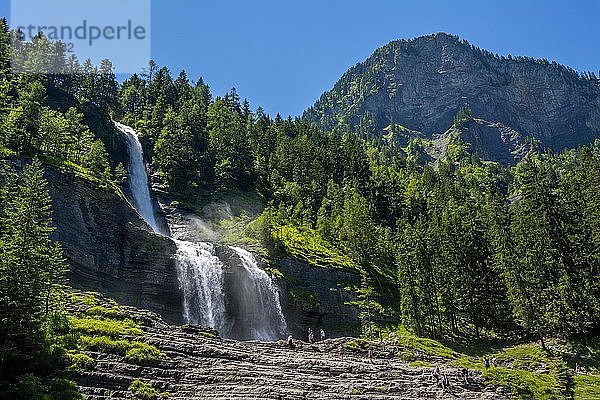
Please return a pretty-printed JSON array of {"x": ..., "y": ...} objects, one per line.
[
  {"x": 494, "y": 362},
  {"x": 341, "y": 352},
  {"x": 311, "y": 335},
  {"x": 465, "y": 374},
  {"x": 322, "y": 333},
  {"x": 486, "y": 362},
  {"x": 381, "y": 342},
  {"x": 445, "y": 382},
  {"x": 370, "y": 353},
  {"x": 436, "y": 375},
  {"x": 290, "y": 342}
]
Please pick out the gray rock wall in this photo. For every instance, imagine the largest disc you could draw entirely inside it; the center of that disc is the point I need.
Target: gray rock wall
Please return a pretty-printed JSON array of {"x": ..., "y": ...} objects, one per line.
[
  {"x": 422, "y": 83},
  {"x": 110, "y": 249}
]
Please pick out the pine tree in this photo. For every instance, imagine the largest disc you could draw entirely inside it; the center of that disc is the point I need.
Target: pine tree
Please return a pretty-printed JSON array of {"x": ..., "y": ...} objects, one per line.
[{"x": 31, "y": 269}]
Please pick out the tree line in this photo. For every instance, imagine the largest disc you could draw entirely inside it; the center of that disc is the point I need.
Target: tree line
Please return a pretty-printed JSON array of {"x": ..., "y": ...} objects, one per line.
[{"x": 466, "y": 247}]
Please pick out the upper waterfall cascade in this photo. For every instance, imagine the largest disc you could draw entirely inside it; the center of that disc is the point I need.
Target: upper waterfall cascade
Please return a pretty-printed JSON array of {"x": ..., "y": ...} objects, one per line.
[
  {"x": 138, "y": 177},
  {"x": 242, "y": 303}
]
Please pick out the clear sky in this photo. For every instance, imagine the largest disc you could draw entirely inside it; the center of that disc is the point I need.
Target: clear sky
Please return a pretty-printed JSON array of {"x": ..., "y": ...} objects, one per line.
[{"x": 283, "y": 54}]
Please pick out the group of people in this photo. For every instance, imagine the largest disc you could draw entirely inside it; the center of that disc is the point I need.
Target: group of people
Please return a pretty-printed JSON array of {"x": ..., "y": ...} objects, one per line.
[
  {"x": 311, "y": 337},
  {"x": 486, "y": 362},
  {"x": 442, "y": 379}
]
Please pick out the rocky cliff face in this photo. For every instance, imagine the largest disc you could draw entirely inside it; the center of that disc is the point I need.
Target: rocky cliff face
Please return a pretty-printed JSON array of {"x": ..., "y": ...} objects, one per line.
[
  {"x": 314, "y": 297},
  {"x": 310, "y": 296},
  {"x": 422, "y": 83},
  {"x": 110, "y": 249}
]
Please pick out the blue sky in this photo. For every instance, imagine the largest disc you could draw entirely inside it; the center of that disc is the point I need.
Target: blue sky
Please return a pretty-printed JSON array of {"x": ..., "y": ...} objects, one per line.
[{"x": 283, "y": 54}]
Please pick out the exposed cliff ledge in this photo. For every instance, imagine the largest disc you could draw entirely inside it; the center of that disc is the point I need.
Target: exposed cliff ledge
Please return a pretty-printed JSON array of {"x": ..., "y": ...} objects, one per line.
[{"x": 110, "y": 248}]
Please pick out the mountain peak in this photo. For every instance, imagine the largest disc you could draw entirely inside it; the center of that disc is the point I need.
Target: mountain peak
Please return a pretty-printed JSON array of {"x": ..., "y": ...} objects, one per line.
[{"x": 421, "y": 83}]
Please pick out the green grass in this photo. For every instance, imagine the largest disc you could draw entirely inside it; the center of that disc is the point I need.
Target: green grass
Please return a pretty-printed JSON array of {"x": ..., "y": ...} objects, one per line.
[
  {"x": 358, "y": 391},
  {"x": 587, "y": 387},
  {"x": 358, "y": 345},
  {"x": 427, "y": 346},
  {"x": 135, "y": 352},
  {"x": 422, "y": 364},
  {"x": 112, "y": 313},
  {"x": 468, "y": 363},
  {"x": 80, "y": 362},
  {"x": 106, "y": 327},
  {"x": 144, "y": 391},
  {"x": 143, "y": 354},
  {"x": 105, "y": 344},
  {"x": 417, "y": 344},
  {"x": 528, "y": 371},
  {"x": 306, "y": 245},
  {"x": 524, "y": 384},
  {"x": 109, "y": 330},
  {"x": 87, "y": 299},
  {"x": 527, "y": 357}
]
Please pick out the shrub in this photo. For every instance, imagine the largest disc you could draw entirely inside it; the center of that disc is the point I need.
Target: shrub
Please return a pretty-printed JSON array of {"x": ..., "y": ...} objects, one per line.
[
  {"x": 143, "y": 354},
  {"x": 80, "y": 362},
  {"x": 143, "y": 391}
]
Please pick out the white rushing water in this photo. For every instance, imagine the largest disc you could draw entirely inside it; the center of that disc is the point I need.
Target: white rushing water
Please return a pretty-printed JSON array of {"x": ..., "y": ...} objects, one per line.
[
  {"x": 201, "y": 281},
  {"x": 251, "y": 309},
  {"x": 138, "y": 177},
  {"x": 263, "y": 318}
]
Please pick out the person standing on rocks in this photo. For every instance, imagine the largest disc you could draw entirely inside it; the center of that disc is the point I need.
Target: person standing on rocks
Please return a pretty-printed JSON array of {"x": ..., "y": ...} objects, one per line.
[
  {"x": 445, "y": 382},
  {"x": 465, "y": 374},
  {"x": 341, "y": 352},
  {"x": 311, "y": 336},
  {"x": 436, "y": 375},
  {"x": 290, "y": 342},
  {"x": 486, "y": 362},
  {"x": 322, "y": 334}
]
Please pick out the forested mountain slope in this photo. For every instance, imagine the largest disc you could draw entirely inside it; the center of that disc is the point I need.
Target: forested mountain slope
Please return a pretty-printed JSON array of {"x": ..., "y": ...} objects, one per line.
[{"x": 422, "y": 83}]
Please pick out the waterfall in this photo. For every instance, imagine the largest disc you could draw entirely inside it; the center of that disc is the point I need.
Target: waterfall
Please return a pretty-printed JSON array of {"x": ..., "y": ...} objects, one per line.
[
  {"x": 242, "y": 305},
  {"x": 137, "y": 176},
  {"x": 201, "y": 281},
  {"x": 260, "y": 307}
]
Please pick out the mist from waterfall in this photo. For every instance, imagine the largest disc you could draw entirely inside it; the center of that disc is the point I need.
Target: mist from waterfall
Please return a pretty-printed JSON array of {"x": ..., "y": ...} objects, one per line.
[
  {"x": 260, "y": 305},
  {"x": 251, "y": 308},
  {"x": 138, "y": 177}
]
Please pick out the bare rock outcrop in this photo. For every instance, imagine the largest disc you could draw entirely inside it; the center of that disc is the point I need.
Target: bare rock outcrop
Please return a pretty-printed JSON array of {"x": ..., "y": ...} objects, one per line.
[{"x": 422, "y": 83}]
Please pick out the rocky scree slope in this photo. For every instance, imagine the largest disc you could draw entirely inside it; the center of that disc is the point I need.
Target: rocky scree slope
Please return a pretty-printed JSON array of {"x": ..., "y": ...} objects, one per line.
[
  {"x": 195, "y": 365},
  {"x": 422, "y": 83}
]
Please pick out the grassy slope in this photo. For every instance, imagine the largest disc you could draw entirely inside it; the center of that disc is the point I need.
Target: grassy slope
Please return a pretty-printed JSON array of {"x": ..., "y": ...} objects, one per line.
[{"x": 528, "y": 371}]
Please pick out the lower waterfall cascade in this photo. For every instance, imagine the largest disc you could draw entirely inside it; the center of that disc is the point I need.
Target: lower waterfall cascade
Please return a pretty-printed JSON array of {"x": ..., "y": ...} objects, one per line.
[{"x": 243, "y": 303}]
